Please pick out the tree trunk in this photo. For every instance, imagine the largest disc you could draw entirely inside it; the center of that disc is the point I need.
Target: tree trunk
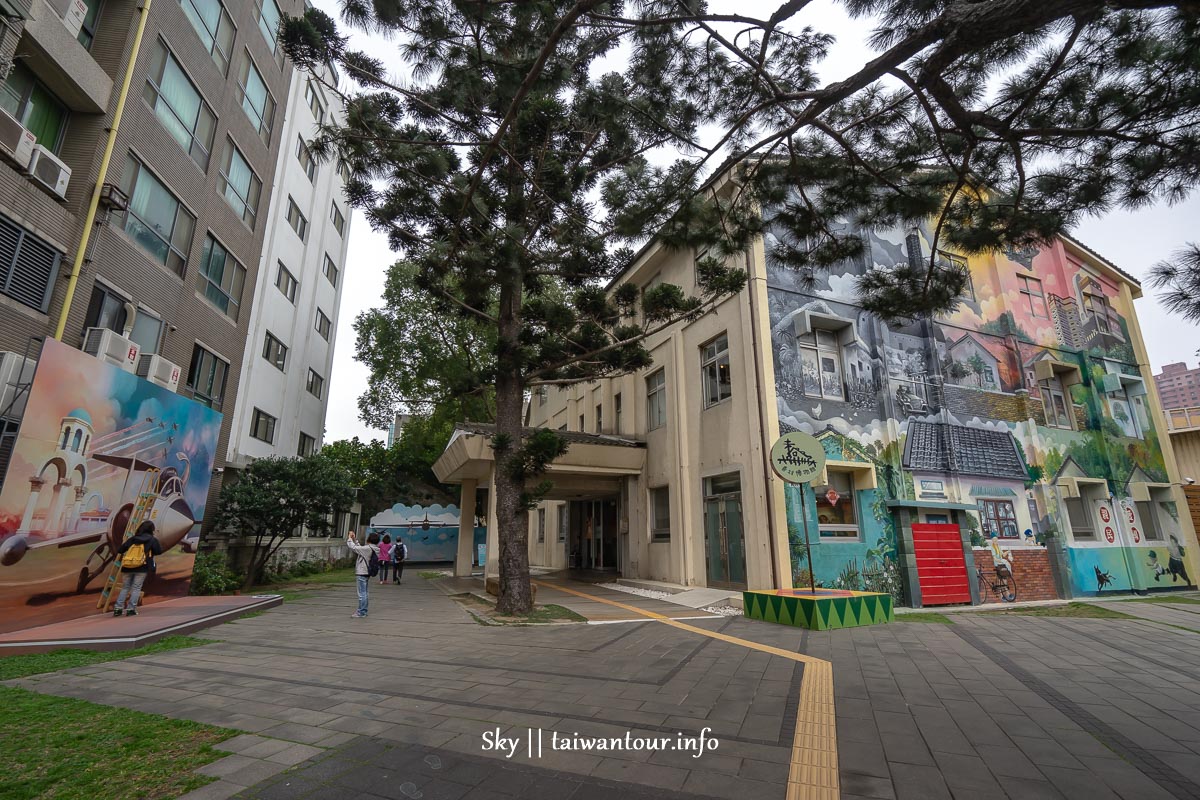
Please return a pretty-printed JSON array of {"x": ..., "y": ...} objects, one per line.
[{"x": 516, "y": 596}]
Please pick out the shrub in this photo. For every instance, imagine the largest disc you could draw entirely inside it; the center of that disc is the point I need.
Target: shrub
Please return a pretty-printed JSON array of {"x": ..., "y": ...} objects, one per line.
[{"x": 213, "y": 575}]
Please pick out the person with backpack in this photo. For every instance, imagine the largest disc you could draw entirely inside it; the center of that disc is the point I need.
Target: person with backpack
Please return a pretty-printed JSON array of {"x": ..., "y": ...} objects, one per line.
[
  {"x": 385, "y": 558},
  {"x": 399, "y": 554},
  {"x": 366, "y": 566},
  {"x": 136, "y": 555}
]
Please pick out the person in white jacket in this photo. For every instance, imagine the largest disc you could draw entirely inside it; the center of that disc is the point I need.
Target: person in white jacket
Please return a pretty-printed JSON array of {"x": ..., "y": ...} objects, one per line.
[{"x": 362, "y": 567}]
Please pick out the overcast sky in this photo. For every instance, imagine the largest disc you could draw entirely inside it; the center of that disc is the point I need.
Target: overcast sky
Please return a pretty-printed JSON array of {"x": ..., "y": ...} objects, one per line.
[{"x": 1134, "y": 241}]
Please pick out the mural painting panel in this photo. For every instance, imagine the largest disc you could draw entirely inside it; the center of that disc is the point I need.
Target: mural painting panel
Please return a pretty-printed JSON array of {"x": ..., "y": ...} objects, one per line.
[{"x": 431, "y": 533}]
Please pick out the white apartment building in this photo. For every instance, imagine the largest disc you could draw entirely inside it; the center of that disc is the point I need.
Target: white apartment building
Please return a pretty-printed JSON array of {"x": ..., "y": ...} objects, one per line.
[{"x": 284, "y": 392}]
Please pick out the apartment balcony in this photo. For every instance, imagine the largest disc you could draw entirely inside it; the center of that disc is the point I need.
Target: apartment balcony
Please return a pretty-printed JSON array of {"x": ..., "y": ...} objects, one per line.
[
  {"x": 1183, "y": 419},
  {"x": 52, "y": 51}
]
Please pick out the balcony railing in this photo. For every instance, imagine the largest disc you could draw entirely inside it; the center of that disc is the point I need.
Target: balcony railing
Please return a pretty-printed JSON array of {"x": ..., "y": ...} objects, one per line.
[{"x": 1183, "y": 419}]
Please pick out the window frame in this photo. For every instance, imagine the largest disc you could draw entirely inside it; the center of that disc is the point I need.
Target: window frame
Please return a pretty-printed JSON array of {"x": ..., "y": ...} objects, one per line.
[
  {"x": 710, "y": 369},
  {"x": 300, "y": 229},
  {"x": 207, "y": 397},
  {"x": 305, "y": 157},
  {"x": 280, "y": 349},
  {"x": 328, "y": 324},
  {"x": 101, "y": 290},
  {"x": 254, "y": 189},
  {"x": 155, "y": 85},
  {"x": 337, "y": 218},
  {"x": 292, "y": 282},
  {"x": 541, "y": 525},
  {"x": 270, "y": 422},
  {"x": 839, "y": 531},
  {"x": 314, "y": 379},
  {"x": 1027, "y": 289},
  {"x": 1090, "y": 302},
  {"x": 329, "y": 266},
  {"x": 312, "y": 96},
  {"x": 1084, "y": 506},
  {"x": 989, "y": 513},
  {"x": 271, "y": 37},
  {"x": 659, "y": 533},
  {"x": 214, "y": 47},
  {"x": 25, "y": 103},
  {"x": 1048, "y": 390},
  {"x": 85, "y": 29},
  {"x": 656, "y": 399},
  {"x": 265, "y": 123},
  {"x": 130, "y": 185},
  {"x": 818, "y": 350},
  {"x": 312, "y": 445}
]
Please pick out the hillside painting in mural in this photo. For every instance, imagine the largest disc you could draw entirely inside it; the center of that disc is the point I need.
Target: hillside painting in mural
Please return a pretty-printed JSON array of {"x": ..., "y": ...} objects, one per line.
[
  {"x": 1024, "y": 407},
  {"x": 431, "y": 533},
  {"x": 93, "y": 437}
]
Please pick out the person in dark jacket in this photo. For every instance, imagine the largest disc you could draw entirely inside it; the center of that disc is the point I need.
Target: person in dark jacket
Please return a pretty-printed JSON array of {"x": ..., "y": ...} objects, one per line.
[{"x": 134, "y": 575}]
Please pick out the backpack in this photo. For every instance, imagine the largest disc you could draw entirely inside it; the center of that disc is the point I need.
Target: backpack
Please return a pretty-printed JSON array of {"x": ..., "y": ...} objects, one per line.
[
  {"x": 402, "y": 552},
  {"x": 372, "y": 565},
  {"x": 134, "y": 557}
]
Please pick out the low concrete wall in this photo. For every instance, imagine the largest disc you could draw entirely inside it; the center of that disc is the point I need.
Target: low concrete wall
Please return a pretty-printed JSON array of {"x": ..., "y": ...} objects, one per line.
[{"x": 293, "y": 550}]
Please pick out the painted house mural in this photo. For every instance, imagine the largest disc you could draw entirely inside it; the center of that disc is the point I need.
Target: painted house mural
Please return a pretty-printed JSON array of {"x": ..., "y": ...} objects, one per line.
[{"x": 1019, "y": 416}]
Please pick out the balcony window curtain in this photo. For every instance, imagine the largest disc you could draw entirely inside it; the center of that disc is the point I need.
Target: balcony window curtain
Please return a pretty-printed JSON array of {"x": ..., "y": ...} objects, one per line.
[{"x": 181, "y": 97}]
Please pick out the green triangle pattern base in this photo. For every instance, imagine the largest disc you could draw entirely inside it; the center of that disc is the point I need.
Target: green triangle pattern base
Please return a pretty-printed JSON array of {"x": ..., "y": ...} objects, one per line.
[{"x": 819, "y": 613}]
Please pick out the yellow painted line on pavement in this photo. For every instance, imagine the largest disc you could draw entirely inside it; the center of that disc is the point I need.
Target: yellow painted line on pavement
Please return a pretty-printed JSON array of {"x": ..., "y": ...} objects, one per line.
[{"x": 814, "y": 767}]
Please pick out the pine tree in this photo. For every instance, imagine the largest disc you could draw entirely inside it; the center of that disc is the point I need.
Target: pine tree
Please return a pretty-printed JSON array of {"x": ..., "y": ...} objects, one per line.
[{"x": 533, "y": 145}]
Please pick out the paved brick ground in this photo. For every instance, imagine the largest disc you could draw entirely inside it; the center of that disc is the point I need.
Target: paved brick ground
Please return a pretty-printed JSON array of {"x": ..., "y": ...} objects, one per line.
[{"x": 396, "y": 705}]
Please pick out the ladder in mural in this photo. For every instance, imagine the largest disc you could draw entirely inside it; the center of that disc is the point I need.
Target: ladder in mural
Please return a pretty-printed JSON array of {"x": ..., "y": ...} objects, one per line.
[{"x": 145, "y": 502}]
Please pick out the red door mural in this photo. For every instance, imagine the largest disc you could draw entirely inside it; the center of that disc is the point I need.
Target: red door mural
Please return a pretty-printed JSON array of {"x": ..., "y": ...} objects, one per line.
[{"x": 941, "y": 565}]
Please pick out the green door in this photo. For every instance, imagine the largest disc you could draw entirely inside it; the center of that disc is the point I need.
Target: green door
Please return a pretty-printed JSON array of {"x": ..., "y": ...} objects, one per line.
[{"x": 724, "y": 544}]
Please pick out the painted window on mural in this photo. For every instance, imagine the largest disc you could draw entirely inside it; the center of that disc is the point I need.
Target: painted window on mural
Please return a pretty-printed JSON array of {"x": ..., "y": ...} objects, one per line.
[
  {"x": 1097, "y": 306},
  {"x": 660, "y": 507},
  {"x": 821, "y": 362},
  {"x": 955, "y": 263},
  {"x": 1125, "y": 413},
  {"x": 1056, "y": 401},
  {"x": 1083, "y": 527},
  {"x": 999, "y": 517},
  {"x": 836, "y": 517},
  {"x": 1035, "y": 296},
  {"x": 714, "y": 368}
]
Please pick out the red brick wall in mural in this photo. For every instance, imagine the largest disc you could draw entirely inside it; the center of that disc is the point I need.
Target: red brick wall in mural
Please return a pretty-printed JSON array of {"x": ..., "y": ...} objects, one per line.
[{"x": 1031, "y": 572}]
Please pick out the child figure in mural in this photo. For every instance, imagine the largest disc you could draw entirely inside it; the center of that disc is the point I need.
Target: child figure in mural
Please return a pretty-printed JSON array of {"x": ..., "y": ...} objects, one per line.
[
  {"x": 1001, "y": 558},
  {"x": 1175, "y": 562},
  {"x": 1158, "y": 569}
]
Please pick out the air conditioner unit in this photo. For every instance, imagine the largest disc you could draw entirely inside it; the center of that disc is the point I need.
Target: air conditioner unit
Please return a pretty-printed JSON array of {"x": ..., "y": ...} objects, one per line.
[
  {"x": 112, "y": 347},
  {"x": 46, "y": 169},
  {"x": 16, "y": 143},
  {"x": 157, "y": 369},
  {"x": 15, "y": 370},
  {"x": 73, "y": 12}
]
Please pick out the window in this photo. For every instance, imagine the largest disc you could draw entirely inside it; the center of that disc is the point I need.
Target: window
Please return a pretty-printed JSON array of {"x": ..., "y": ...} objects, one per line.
[
  {"x": 307, "y": 446},
  {"x": 656, "y": 400},
  {"x": 33, "y": 105},
  {"x": 541, "y": 396},
  {"x": 28, "y": 266},
  {"x": 954, "y": 263},
  {"x": 1057, "y": 404},
  {"x": 305, "y": 157},
  {"x": 312, "y": 96},
  {"x": 315, "y": 385},
  {"x": 343, "y": 170},
  {"x": 563, "y": 520},
  {"x": 221, "y": 277},
  {"x": 268, "y": 22},
  {"x": 582, "y": 426},
  {"x": 87, "y": 31},
  {"x": 1097, "y": 305},
  {"x": 206, "y": 377},
  {"x": 339, "y": 222},
  {"x": 254, "y": 97},
  {"x": 179, "y": 107},
  {"x": 1083, "y": 527},
  {"x": 821, "y": 364},
  {"x": 155, "y": 218},
  {"x": 836, "y": 517},
  {"x": 998, "y": 517},
  {"x": 215, "y": 28},
  {"x": 599, "y": 418},
  {"x": 323, "y": 325},
  {"x": 106, "y": 309},
  {"x": 660, "y": 514},
  {"x": 330, "y": 270},
  {"x": 147, "y": 331},
  {"x": 240, "y": 185},
  {"x": 262, "y": 426},
  {"x": 275, "y": 351},
  {"x": 296, "y": 219},
  {"x": 286, "y": 282},
  {"x": 714, "y": 371},
  {"x": 1031, "y": 290},
  {"x": 617, "y": 413},
  {"x": 541, "y": 525}
]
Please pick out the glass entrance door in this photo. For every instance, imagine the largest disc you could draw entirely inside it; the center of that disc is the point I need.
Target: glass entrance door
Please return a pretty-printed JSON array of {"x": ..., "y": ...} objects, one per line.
[{"x": 724, "y": 543}]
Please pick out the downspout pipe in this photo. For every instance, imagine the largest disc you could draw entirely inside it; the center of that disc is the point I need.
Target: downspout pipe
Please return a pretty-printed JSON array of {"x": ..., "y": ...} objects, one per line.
[{"x": 102, "y": 174}]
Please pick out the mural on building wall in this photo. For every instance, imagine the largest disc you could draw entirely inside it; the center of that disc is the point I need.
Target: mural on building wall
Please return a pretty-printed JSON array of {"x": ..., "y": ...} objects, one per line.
[
  {"x": 431, "y": 533},
  {"x": 92, "y": 439},
  {"x": 1031, "y": 380}
]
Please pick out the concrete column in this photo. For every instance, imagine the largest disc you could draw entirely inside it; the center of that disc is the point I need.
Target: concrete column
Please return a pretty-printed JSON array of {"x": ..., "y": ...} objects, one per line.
[
  {"x": 35, "y": 491},
  {"x": 906, "y": 552},
  {"x": 1059, "y": 568},
  {"x": 466, "y": 528},
  {"x": 960, "y": 517},
  {"x": 493, "y": 531}
]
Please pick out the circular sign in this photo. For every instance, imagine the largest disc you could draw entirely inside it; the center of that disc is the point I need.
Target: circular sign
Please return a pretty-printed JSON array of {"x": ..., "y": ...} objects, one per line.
[
  {"x": 798, "y": 457},
  {"x": 1137, "y": 536},
  {"x": 1108, "y": 534},
  {"x": 1104, "y": 515},
  {"x": 1129, "y": 514}
]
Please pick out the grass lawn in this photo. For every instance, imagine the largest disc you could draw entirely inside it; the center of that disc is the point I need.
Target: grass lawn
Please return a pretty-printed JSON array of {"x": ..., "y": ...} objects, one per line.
[
  {"x": 925, "y": 616},
  {"x": 1168, "y": 598},
  {"x": 63, "y": 748},
  {"x": 1081, "y": 610},
  {"x": 22, "y": 665}
]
